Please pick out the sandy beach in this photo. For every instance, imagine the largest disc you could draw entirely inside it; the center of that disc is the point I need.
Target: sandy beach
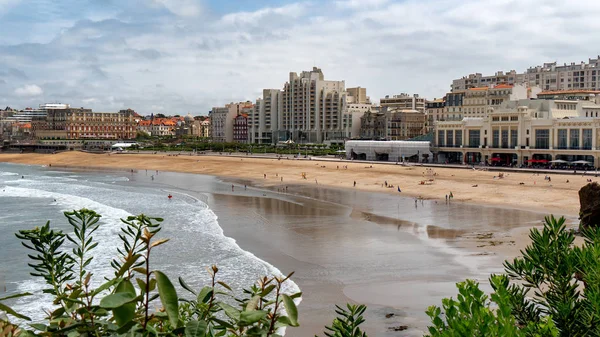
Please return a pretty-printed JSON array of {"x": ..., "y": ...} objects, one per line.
[
  {"x": 411, "y": 253},
  {"x": 517, "y": 190}
]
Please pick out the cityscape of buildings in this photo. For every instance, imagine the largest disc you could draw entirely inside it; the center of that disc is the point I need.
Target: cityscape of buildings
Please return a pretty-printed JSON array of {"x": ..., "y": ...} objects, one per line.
[{"x": 545, "y": 113}]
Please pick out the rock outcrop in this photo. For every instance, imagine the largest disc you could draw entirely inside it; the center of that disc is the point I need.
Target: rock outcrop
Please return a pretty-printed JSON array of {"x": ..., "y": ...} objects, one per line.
[{"x": 589, "y": 201}]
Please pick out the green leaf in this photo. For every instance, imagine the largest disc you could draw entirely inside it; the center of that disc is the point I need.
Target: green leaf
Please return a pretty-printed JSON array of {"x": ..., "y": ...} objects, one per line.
[
  {"x": 9, "y": 310},
  {"x": 38, "y": 326},
  {"x": 290, "y": 308},
  {"x": 15, "y": 296},
  {"x": 185, "y": 286},
  {"x": 251, "y": 317},
  {"x": 116, "y": 300},
  {"x": 225, "y": 285},
  {"x": 125, "y": 313},
  {"x": 106, "y": 286},
  {"x": 168, "y": 297},
  {"x": 195, "y": 328},
  {"x": 230, "y": 311},
  {"x": 267, "y": 290},
  {"x": 205, "y": 294},
  {"x": 125, "y": 267}
]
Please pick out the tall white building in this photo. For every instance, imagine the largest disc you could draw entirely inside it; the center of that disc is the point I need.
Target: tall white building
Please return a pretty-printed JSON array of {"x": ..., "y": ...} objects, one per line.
[
  {"x": 312, "y": 109},
  {"x": 266, "y": 117}
]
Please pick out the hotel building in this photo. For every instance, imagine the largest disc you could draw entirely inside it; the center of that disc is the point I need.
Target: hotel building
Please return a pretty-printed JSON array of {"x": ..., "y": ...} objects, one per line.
[
  {"x": 312, "y": 109},
  {"x": 523, "y": 132},
  {"x": 64, "y": 122}
]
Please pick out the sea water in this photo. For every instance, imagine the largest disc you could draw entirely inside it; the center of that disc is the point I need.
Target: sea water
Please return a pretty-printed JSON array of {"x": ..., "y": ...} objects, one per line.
[{"x": 32, "y": 195}]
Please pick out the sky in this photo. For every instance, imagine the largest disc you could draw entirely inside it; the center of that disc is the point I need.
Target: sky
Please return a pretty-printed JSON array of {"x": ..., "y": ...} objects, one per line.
[{"x": 180, "y": 56}]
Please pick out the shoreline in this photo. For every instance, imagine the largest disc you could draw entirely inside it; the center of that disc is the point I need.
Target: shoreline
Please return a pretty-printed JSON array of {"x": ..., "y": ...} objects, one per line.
[
  {"x": 476, "y": 187},
  {"x": 461, "y": 245}
]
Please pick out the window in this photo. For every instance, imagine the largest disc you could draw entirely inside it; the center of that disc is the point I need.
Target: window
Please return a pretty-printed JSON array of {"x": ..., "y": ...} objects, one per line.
[
  {"x": 441, "y": 138},
  {"x": 505, "y": 139},
  {"x": 458, "y": 138},
  {"x": 514, "y": 138},
  {"x": 474, "y": 138},
  {"x": 574, "y": 138},
  {"x": 562, "y": 138},
  {"x": 542, "y": 139},
  {"x": 449, "y": 138},
  {"x": 495, "y": 138},
  {"x": 514, "y": 118},
  {"x": 587, "y": 139}
]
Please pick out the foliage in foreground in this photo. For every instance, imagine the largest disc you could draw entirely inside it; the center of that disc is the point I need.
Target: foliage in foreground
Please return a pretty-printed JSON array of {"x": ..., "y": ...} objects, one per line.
[
  {"x": 552, "y": 291},
  {"x": 123, "y": 304}
]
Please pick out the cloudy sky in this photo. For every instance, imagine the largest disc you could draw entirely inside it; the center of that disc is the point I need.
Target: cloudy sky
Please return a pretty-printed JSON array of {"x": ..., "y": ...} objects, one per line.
[{"x": 178, "y": 56}]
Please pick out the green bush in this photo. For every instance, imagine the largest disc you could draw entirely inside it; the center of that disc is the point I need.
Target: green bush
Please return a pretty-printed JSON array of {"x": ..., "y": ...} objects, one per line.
[{"x": 121, "y": 305}]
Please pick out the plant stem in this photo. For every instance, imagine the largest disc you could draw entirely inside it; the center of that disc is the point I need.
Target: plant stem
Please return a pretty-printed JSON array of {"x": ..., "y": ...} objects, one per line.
[
  {"x": 274, "y": 316},
  {"x": 147, "y": 285}
]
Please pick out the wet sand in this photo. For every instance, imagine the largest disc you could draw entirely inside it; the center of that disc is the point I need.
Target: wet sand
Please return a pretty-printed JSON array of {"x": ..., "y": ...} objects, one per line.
[
  {"x": 360, "y": 247},
  {"x": 519, "y": 190}
]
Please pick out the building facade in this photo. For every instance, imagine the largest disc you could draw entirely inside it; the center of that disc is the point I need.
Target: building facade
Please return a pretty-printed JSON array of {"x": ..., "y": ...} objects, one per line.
[
  {"x": 359, "y": 95},
  {"x": 523, "y": 132},
  {"x": 264, "y": 120},
  {"x": 312, "y": 108},
  {"x": 80, "y": 123},
  {"x": 222, "y": 119},
  {"x": 549, "y": 77},
  {"x": 372, "y": 125},
  {"x": 240, "y": 129},
  {"x": 404, "y": 102},
  {"x": 435, "y": 112}
]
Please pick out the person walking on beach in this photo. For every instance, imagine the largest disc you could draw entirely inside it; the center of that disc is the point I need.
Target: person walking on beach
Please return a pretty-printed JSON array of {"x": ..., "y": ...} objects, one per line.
[
  {"x": 244, "y": 187},
  {"x": 232, "y": 187},
  {"x": 355, "y": 183},
  {"x": 451, "y": 196},
  {"x": 265, "y": 175},
  {"x": 446, "y": 198}
]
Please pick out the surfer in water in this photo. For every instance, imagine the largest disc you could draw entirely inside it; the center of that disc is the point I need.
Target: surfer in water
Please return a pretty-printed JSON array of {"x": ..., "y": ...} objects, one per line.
[{"x": 170, "y": 196}]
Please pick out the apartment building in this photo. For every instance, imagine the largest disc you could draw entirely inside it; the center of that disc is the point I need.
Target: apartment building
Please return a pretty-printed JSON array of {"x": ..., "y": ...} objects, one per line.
[
  {"x": 434, "y": 111},
  {"x": 392, "y": 124},
  {"x": 265, "y": 119},
  {"x": 373, "y": 125},
  {"x": 572, "y": 95},
  {"x": 240, "y": 129},
  {"x": 478, "y": 80},
  {"x": 312, "y": 108},
  {"x": 523, "y": 132},
  {"x": 222, "y": 119},
  {"x": 64, "y": 122},
  {"x": 404, "y": 102},
  {"x": 359, "y": 95},
  {"x": 549, "y": 77}
]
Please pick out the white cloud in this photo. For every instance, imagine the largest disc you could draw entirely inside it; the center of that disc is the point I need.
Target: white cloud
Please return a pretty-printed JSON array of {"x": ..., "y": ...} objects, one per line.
[
  {"x": 294, "y": 10},
  {"x": 360, "y": 4},
  {"x": 29, "y": 91},
  {"x": 171, "y": 63},
  {"x": 185, "y": 8}
]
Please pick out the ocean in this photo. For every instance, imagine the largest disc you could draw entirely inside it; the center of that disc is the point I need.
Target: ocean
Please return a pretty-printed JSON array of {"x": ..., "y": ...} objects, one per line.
[{"x": 32, "y": 195}]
